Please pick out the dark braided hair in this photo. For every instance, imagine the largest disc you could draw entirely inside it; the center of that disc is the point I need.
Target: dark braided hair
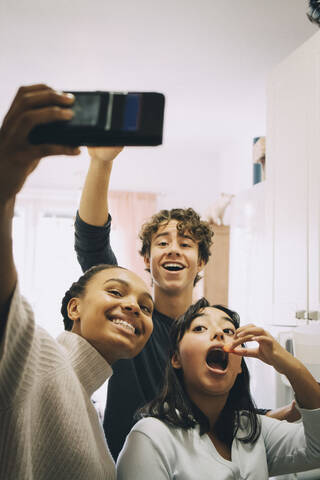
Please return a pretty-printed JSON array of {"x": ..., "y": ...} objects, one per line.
[{"x": 77, "y": 289}]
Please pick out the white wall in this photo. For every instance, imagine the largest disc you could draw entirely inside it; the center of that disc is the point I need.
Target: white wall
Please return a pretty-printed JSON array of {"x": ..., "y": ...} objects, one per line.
[{"x": 210, "y": 58}]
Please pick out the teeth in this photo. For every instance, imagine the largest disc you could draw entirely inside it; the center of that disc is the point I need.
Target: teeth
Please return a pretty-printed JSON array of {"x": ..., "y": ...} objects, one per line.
[
  {"x": 125, "y": 324},
  {"x": 174, "y": 266}
]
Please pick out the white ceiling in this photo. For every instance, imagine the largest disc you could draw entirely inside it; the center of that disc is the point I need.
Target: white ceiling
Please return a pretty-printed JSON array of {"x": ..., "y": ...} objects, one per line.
[{"x": 211, "y": 58}]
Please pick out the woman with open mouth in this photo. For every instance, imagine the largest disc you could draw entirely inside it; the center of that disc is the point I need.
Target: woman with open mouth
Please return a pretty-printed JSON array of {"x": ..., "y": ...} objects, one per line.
[{"x": 204, "y": 425}]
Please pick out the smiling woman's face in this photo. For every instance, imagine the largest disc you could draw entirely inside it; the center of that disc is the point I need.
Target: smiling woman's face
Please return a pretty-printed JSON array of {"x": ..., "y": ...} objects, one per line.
[
  {"x": 114, "y": 314},
  {"x": 207, "y": 369}
]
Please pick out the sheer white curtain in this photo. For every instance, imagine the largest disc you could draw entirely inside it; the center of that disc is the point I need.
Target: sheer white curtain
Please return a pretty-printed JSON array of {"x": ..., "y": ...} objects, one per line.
[{"x": 43, "y": 239}]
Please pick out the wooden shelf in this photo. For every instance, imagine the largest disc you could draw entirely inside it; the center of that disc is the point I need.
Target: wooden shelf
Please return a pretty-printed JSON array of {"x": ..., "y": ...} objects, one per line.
[{"x": 216, "y": 273}]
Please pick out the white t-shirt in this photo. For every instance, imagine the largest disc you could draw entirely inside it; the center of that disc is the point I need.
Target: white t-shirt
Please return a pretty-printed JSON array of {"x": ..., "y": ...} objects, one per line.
[{"x": 154, "y": 450}]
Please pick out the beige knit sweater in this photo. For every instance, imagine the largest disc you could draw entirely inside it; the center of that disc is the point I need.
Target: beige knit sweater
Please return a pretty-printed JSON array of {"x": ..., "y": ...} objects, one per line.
[{"x": 49, "y": 429}]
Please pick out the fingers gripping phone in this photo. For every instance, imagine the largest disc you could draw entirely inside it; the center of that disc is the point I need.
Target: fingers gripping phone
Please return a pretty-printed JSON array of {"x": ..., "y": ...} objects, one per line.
[{"x": 108, "y": 119}]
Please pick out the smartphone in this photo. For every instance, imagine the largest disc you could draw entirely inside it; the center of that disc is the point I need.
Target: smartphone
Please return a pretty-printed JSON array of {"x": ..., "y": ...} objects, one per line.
[{"x": 108, "y": 119}]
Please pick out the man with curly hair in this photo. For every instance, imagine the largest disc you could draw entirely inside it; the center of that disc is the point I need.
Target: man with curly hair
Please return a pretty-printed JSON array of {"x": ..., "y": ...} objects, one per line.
[{"x": 175, "y": 247}]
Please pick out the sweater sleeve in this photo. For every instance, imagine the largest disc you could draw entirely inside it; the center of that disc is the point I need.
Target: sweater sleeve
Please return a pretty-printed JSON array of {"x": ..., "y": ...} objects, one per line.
[
  {"x": 92, "y": 244},
  {"x": 17, "y": 351},
  {"x": 292, "y": 447}
]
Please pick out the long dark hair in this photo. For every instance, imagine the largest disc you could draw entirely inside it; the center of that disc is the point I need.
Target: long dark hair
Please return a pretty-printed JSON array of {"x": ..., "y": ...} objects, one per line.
[{"x": 174, "y": 406}]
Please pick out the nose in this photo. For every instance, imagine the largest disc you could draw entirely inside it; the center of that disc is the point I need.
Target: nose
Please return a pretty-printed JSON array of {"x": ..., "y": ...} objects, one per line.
[
  {"x": 130, "y": 305},
  {"x": 217, "y": 334},
  {"x": 174, "y": 249}
]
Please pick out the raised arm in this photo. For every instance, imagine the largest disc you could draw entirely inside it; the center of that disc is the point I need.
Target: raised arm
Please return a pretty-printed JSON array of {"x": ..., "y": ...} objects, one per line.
[
  {"x": 8, "y": 275},
  {"x": 290, "y": 447},
  {"x": 93, "y": 223},
  {"x": 305, "y": 387},
  {"x": 32, "y": 105},
  {"x": 93, "y": 207}
]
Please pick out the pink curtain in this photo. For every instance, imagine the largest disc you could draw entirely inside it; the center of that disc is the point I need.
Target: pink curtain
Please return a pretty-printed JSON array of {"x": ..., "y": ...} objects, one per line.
[{"x": 129, "y": 210}]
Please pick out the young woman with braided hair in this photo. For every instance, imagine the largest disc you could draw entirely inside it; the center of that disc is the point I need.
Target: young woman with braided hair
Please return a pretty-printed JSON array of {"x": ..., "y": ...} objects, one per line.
[{"x": 49, "y": 428}]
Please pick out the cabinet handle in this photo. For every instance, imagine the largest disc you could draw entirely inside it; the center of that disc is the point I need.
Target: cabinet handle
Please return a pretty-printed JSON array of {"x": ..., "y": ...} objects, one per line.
[
  {"x": 315, "y": 315},
  {"x": 301, "y": 315}
]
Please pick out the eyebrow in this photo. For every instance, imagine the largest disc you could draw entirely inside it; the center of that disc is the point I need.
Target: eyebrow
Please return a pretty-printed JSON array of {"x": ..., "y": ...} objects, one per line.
[
  {"x": 228, "y": 319},
  {"x": 119, "y": 280},
  {"x": 126, "y": 284},
  {"x": 166, "y": 234}
]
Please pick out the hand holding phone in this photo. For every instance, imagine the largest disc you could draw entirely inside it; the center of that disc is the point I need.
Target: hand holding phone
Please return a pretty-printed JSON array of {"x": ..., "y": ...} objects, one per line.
[{"x": 108, "y": 119}]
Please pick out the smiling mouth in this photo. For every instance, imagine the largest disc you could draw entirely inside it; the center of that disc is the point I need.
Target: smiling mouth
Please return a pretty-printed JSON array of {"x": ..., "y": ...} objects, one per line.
[
  {"x": 173, "y": 267},
  {"x": 126, "y": 325},
  {"x": 217, "y": 359}
]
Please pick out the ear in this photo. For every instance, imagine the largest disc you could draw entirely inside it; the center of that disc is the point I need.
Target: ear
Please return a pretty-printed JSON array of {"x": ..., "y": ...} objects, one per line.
[
  {"x": 175, "y": 360},
  {"x": 201, "y": 265},
  {"x": 146, "y": 259},
  {"x": 73, "y": 309}
]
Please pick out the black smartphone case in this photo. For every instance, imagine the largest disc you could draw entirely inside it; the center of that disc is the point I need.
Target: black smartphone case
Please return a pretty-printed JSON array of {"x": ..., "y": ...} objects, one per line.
[{"x": 108, "y": 119}]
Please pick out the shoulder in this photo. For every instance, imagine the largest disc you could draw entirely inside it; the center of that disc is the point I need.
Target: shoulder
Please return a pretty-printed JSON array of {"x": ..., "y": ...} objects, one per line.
[
  {"x": 168, "y": 446},
  {"x": 21, "y": 329},
  {"x": 159, "y": 432},
  {"x": 164, "y": 435},
  {"x": 149, "y": 451},
  {"x": 28, "y": 338},
  {"x": 272, "y": 428},
  {"x": 153, "y": 427}
]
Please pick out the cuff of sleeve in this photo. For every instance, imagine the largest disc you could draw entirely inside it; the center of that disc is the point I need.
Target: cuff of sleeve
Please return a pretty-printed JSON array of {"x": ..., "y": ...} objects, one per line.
[
  {"x": 81, "y": 225},
  {"x": 306, "y": 411}
]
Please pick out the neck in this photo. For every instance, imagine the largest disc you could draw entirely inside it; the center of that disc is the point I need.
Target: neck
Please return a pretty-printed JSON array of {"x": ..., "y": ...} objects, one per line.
[
  {"x": 211, "y": 406},
  {"x": 99, "y": 346},
  {"x": 172, "y": 304}
]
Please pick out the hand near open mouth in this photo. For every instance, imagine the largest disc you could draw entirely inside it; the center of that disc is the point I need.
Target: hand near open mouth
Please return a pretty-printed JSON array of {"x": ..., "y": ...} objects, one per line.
[{"x": 268, "y": 349}]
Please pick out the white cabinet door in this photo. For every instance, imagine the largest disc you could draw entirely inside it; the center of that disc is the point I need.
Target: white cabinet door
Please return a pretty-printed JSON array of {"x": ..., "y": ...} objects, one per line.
[
  {"x": 314, "y": 182},
  {"x": 250, "y": 260},
  {"x": 289, "y": 170},
  {"x": 275, "y": 261}
]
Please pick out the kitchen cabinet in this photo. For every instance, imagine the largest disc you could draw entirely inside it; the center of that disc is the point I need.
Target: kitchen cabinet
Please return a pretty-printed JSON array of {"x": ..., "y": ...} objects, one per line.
[
  {"x": 250, "y": 257},
  {"x": 292, "y": 187},
  {"x": 275, "y": 225}
]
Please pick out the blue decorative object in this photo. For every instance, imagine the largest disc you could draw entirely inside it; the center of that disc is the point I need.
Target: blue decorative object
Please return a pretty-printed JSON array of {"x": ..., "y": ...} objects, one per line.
[
  {"x": 259, "y": 159},
  {"x": 257, "y": 173}
]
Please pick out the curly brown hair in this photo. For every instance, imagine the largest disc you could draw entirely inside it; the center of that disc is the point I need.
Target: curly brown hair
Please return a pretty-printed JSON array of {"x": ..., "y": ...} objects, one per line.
[{"x": 188, "y": 221}]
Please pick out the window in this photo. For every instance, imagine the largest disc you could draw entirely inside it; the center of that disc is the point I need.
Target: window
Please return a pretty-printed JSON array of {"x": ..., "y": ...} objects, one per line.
[
  {"x": 43, "y": 243},
  {"x": 44, "y": 255}
]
